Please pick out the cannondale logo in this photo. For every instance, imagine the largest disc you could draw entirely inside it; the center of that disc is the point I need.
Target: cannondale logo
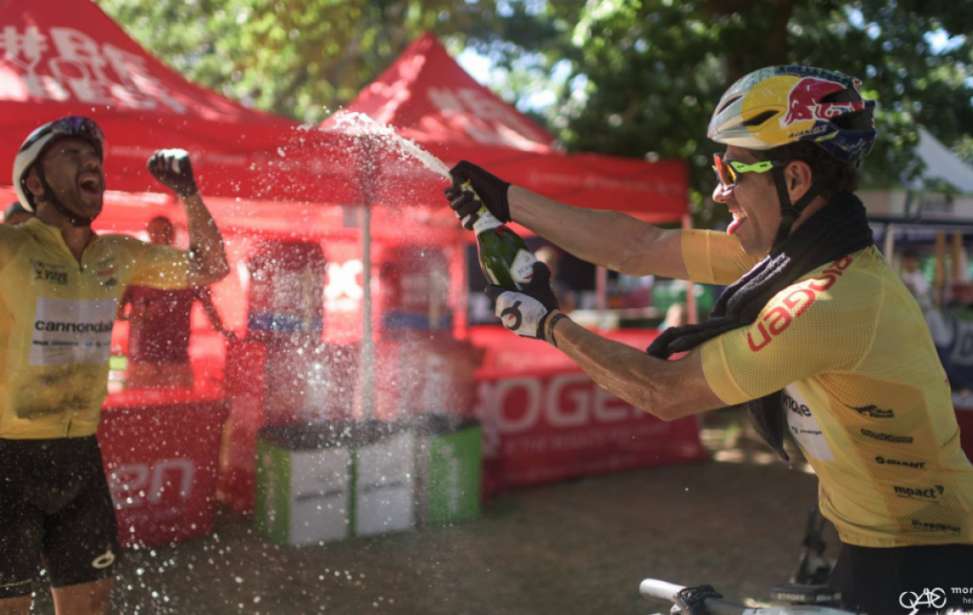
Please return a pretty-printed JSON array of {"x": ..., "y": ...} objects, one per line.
[
  {"x": 933, "y": 598},
  {"x": 104, "y": 560},
  {"x": 513, "y": 310}
]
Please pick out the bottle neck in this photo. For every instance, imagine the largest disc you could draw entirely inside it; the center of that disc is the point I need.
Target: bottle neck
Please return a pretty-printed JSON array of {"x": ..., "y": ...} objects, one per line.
[{"x": 485, "y": 221}]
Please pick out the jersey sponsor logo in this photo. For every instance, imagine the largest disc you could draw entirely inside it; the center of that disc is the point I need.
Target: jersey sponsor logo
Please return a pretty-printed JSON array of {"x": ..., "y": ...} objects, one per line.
[
  {"x": 776, "y": 320},
  {"x": 874, "y": 412},
  {"x": 796, "y": 407},
  {"x": 927, "y": 494},
  {"x": 886, "y": 437},
  {"x": 46, "y": 272},
  {"x": 805, "y": 427},
  {"x": 889, "y": 461},
  {"x": 934, "y": 526},
  {"x": 71, "y": 331},
  {"x": 72, "y": 327},
  {"x": 105, "y": 271}
]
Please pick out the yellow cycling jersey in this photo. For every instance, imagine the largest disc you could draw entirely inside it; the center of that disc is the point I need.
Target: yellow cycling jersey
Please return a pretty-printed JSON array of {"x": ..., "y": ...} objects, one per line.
[
  {"x": 866, "y": 397},
  {"x": 56, "y": 317}
]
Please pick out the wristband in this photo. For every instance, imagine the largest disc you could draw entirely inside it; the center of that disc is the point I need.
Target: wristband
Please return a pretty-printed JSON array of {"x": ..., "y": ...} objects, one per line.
[{"x": 551, "y": 322}]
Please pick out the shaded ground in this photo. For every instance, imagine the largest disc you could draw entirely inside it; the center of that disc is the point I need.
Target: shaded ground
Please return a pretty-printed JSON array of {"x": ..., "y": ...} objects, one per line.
[{"x": 576, "y": 547}]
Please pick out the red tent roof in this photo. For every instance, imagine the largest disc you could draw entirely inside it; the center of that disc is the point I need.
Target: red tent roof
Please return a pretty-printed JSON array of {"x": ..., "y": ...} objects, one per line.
[
  {"x": 58, "y": 62},
  {"x": 429, "y": 98}
]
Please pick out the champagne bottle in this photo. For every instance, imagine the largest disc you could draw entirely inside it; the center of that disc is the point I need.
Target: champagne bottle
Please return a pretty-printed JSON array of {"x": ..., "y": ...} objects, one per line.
[{"x": 504, "y": 258}]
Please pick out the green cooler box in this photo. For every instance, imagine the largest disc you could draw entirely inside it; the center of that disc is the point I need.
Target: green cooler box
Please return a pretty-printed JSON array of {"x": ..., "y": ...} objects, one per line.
[
  {"x": 304, "y": 483},
  {"x": 320, "y": 483},
  {"x": 450, "y": 470}
]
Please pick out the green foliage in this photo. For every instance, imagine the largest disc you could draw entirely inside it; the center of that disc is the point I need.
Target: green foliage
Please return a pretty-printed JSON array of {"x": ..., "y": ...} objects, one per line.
[
  {"x": 644, "y": 74},
  {"x": 300, "y": 58},
  {"x": 627, "y": 77}
]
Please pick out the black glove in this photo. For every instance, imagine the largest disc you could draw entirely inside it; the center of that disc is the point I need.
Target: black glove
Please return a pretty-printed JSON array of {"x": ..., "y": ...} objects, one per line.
[
  {"x": 172, "y": 168},
  {"x": 526, "y": 311},
  {"x": 692, "y": 600},
  {"x": 491, "y": 190}
]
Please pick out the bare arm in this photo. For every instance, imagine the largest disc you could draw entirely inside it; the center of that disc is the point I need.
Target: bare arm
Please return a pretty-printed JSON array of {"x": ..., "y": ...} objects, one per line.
[
  {"x": 207, "y": 256},
  {"x": 607, "y": 238},
  {"x": 666, "y": 389},
  {"x": 206, "y": 300}
]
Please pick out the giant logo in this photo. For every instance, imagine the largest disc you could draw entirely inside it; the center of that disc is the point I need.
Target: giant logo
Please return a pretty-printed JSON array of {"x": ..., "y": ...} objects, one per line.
[
  {"x": 778, "y": 318},
  {"x": 905, "y": 463}
]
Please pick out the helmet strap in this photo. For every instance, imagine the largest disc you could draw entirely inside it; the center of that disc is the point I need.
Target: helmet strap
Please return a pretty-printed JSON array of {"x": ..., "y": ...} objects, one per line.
[
  {"x": 788, "y": 212},
  {"x": 50, "y": 197}
]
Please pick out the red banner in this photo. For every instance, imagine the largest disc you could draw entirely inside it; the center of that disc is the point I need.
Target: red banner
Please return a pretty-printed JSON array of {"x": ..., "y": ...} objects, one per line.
[
  {"x": 559, "y": 424},
  {"x": 160, "y": 453}
]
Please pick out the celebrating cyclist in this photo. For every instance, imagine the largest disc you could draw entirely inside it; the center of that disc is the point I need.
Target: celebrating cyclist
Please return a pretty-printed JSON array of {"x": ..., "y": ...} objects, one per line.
[
  {"x": 814, "y": 332},
  {"x": 60, "y": 282}
]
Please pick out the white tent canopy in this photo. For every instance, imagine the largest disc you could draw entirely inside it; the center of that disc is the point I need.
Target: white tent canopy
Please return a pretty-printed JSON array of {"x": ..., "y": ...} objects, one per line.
[
  {"x": 913, "y": 204},
  {"x": 943, "y": 164}
]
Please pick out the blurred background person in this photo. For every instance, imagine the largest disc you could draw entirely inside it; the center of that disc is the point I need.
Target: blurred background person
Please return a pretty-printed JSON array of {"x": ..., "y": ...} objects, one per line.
[
  {"x": 910, "y": 267},
  {"x": 16, "y": 214},
  {"x": 551, "y": 256},
  {"x": 159, "y": 325},
  {"x": 952, "y": 332}
]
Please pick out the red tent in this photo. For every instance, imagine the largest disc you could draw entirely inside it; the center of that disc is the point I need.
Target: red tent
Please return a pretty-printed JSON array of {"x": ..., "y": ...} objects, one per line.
[
  {"x": 429, "y": 98},
  {"x": 55, "y": 62}
]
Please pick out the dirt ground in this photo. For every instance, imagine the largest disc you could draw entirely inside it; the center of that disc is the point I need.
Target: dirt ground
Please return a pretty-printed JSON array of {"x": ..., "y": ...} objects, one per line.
[{"x": 569, "y": 548}]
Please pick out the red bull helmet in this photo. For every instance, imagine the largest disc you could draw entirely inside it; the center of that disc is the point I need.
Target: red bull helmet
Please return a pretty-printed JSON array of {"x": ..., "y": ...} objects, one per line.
[{"x": 778, "y": 105}]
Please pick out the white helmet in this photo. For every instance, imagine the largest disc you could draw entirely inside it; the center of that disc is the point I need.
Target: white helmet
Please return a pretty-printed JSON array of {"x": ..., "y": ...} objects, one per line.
[{"x": 38, "y": 141}]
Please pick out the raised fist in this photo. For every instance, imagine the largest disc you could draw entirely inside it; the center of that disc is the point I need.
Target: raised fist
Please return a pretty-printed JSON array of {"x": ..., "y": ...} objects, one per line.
[{"x": 172, "y": 168}]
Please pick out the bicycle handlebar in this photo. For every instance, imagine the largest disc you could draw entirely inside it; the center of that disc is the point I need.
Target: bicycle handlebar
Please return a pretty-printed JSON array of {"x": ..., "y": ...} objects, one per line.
[
  {"x": 654, "y": 588},
  {"x": 663, "y": 590}
]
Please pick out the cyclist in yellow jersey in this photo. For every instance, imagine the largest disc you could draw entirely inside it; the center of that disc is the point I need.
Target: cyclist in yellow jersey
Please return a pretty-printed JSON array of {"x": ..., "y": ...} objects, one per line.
[
  {"x": 59, "y": 284},
  {"x": 815, "y": 334}
]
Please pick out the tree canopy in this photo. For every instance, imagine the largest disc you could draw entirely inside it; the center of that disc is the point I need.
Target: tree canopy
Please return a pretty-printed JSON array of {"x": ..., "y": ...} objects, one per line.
[
  {"x": 640, "y": 77},
  {"x": 627, "y": 77},
  {"x": 299, "y": 58}
]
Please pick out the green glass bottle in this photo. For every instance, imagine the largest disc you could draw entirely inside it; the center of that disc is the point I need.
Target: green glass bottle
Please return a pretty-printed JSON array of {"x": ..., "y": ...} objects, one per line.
[{"x": 504, "y": 258}]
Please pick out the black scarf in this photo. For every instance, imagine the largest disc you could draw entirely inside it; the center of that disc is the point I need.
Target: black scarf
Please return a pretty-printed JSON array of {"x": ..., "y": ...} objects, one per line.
[{"x": 838, "y": 229}]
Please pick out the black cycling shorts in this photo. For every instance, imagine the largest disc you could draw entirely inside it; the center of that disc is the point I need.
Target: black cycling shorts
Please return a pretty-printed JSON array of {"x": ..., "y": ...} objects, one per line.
[
  {"x": 902, "y": 580},
  {"x": 55, "y": 512}
]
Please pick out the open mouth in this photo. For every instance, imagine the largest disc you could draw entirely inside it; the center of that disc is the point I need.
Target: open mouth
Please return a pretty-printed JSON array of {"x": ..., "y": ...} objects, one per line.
[
  {"x": 738, "y": 218},
  {"x": 91, "y": 183}
]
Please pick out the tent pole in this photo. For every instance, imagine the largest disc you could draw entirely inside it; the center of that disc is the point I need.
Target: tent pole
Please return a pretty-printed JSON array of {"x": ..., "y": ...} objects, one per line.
[
  {"x": 368, "y": 341},
  {"x": 601, "y": 288},
  {"x": 939, "y": 277},
  {"x": 889, "y": 243},
  {"x": 367, "y": 167}
]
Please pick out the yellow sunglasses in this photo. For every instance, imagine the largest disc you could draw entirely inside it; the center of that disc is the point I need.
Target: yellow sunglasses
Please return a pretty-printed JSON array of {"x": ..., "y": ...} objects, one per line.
[{"x": 728, "y": 173}]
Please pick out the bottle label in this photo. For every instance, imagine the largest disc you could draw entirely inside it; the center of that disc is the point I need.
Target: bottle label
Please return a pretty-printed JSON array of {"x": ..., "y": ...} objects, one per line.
[
  {"x": 485, "y": 221},
  {"x": 522, "y": 269}
]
